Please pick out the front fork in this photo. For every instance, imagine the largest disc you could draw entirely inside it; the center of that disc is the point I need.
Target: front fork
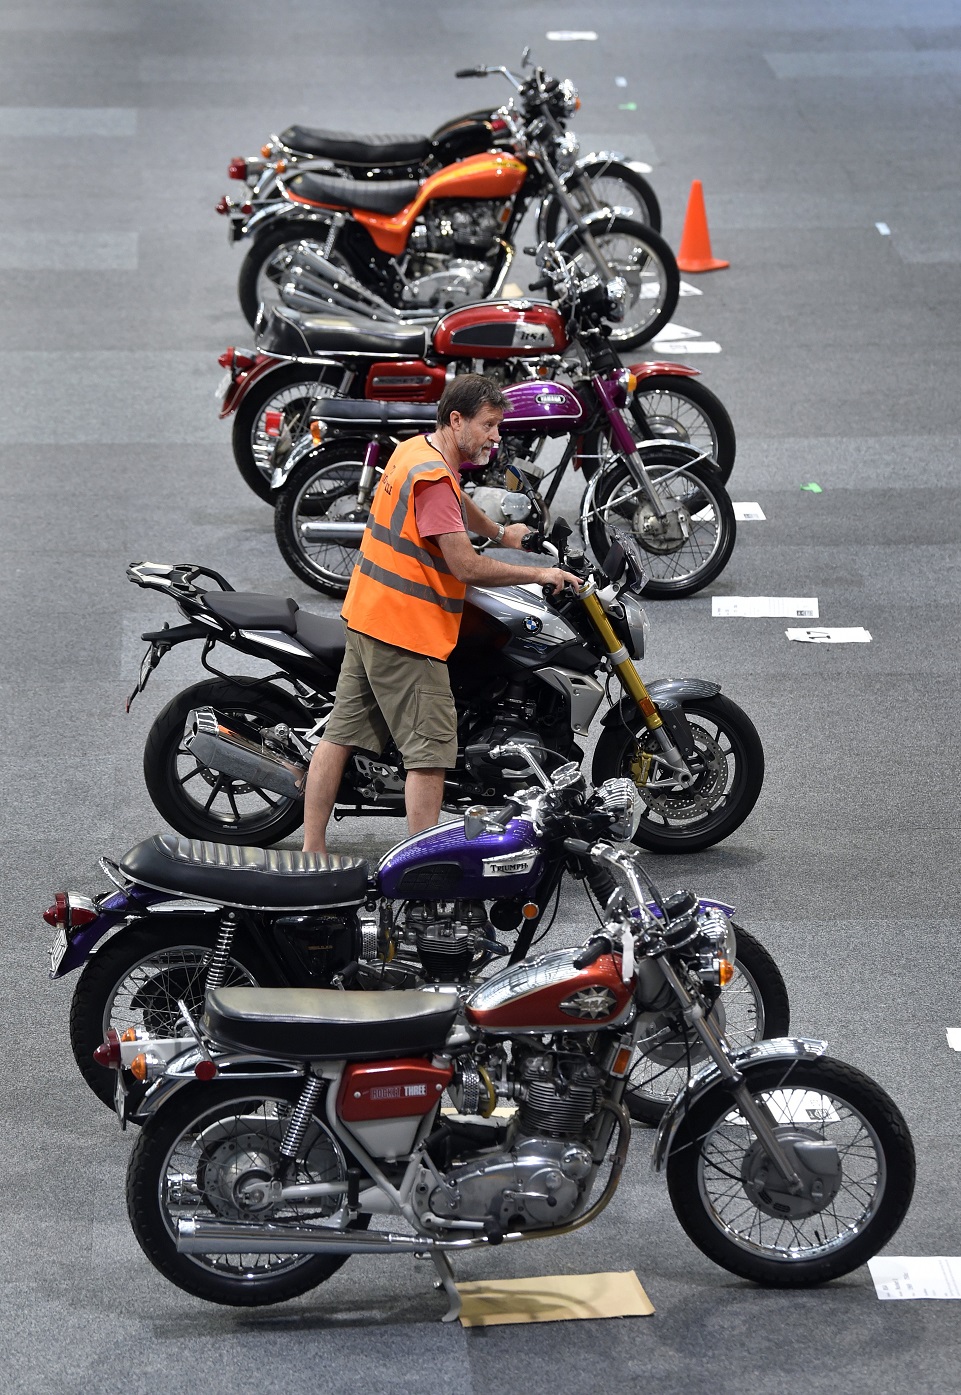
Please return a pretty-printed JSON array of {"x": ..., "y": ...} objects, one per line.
[{"x": 633, "y": 684}]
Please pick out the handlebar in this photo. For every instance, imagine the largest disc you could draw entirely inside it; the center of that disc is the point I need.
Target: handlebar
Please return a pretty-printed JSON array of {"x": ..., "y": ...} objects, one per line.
[{"x": 471, "y": 72}]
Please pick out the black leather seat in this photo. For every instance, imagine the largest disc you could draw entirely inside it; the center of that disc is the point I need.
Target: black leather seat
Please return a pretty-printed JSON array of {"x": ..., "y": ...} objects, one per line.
[
  {"x": 249, "y": 610},
  {"x": 374, "y": 415},
  {"x": 272, "y": 879},
  {"x": 323, "y": 635},
  {"x": 374, "y": 196},
  {"x": 368, "y": 150},
  {"x": 291, "y": 334},
  {"x": 321, "y": 1023}
]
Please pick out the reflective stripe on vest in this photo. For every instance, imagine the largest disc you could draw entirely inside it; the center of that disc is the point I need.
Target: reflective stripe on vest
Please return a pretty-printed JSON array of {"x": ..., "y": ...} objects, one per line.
[{"x": 402, "y": 591}]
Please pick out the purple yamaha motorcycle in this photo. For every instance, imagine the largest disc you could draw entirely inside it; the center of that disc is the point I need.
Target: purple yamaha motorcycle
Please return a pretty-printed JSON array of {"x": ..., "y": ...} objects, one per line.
[
  {"x": 189, "y": 916},
  {"x": 668, "y": 494}
]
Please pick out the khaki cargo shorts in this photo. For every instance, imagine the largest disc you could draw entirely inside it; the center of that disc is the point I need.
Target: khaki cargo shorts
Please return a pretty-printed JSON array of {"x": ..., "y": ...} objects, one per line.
[{"x": 385, "y": 691}]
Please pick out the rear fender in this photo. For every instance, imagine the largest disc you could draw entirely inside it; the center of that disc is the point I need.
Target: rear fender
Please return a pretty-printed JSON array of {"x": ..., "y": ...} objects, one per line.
[
  {"x": 240, "y": 386},
  {"x": 786, "y": 1049},
  {"x": 281, "y": 211},
  {"x": 134, "y": 905},
  {"x": 179, "y": 1073},
  {"x": 679, "y": 690}
]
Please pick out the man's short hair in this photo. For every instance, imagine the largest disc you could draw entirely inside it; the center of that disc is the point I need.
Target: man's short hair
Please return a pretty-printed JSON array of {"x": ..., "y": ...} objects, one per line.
[{"x": 468, "y": 393}]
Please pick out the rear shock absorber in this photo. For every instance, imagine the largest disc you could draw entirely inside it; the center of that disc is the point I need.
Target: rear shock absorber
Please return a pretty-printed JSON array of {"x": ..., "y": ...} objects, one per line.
[
  {"x": 217, "y": 968},
  {"x": 300, "y": 1118}
]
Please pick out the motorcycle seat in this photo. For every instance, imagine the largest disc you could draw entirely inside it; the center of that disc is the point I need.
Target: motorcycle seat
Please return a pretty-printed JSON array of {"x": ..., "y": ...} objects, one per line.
[
  {"x": 249, "y": 610},
  {"x": 322, "y": 1023},
  {"x": 323, "y": 635},
  {"x": 374, "y": 416},
  {"x": 370, "y": 150},
  {"x": 270, "y": 879},
  {"x": 287, "y": 332},
  {"x": 377, "y": 196}
]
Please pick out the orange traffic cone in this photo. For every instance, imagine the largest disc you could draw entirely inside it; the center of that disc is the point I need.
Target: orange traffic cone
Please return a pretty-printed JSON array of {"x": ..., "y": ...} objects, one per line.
[{"x": 695, "y": 253}]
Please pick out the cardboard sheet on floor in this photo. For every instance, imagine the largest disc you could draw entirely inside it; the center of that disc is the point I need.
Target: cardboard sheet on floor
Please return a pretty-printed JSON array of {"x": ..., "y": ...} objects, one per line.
[
  {"x": 916, "y": 1276},
  {"x": 749, "y": 513},
  {"x": 851, "y": 634},
  {"x": 954, "y": 1038},
  {"x": 559, "y": 1298},
  {"x": 759, "y": 607}
]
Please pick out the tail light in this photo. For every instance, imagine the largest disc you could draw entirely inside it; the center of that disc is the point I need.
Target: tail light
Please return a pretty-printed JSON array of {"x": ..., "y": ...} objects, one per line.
[
  {"x": 273, "y": 423},
  {"x": 107, "y": 1053},
  {"x": 69, "y": 912},
  {"x": 237, "y": 169},
  {"x": 498, "y": 125},
  {"x": 236, "y": 360},
  {"x": 246, "y": 209},
  {"x": 224, "y": 205}
]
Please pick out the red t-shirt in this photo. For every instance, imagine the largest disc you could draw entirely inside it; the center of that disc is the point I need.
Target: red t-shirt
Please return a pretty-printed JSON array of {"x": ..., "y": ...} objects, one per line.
[{"x": 436, "y": 509}]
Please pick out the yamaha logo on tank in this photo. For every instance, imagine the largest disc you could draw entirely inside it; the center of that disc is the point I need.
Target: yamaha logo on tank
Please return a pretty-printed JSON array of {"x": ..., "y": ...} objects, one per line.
[{"x": 547, "y": 399}]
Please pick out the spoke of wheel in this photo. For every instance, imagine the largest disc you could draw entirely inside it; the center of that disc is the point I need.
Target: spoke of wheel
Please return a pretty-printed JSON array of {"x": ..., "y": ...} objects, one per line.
[{"x": 215, "y": 790}]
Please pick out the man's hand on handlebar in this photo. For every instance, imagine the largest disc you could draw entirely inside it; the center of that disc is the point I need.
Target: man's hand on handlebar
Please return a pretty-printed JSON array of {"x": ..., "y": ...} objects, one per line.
[
  {"x": 556, "y": 578},
  {"x": 514, "y": 535}
]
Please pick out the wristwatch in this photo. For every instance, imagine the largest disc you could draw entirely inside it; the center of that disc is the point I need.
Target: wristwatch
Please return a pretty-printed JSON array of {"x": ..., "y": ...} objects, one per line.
[{"x": 498, "y": 536}]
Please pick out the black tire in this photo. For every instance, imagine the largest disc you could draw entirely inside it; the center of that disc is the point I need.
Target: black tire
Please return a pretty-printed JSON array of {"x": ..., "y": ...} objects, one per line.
[
  {"x": 636, "y": 194},
  {"x": 224, "y": 810},
  {"x": 322, "y": 486},
  {"x": 704, "y": 528},
  {"x": 730, "y": 762},
  {"x": 290, "y": 388},
  {"x": 714, "y": 1155},
  {"x": 254, "y": 280},
  {"x": 648, "y": 265},
  {"x": 193, "y": 1137},
  {"x": 676, "y": 408},
  {"x": 136, "y": 979},
  {"x": 752, "y": 1006}
]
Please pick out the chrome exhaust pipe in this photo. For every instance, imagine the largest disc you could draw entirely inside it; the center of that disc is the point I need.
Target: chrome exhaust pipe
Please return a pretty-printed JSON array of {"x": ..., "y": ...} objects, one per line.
[
  {"x": 342, "y": 534},
  {"x": 305, "y": 261},
  {"x": 198, "y": 1237},
  {"x": 240, "y": 757}
]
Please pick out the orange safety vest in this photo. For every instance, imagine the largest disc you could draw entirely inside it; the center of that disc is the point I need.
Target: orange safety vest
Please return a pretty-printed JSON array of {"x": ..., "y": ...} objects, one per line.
[{"x": 401, "y": 590}]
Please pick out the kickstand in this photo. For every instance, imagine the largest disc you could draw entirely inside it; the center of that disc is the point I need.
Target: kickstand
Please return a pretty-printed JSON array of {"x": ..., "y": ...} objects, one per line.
[{"x": 446, "y": 1282}]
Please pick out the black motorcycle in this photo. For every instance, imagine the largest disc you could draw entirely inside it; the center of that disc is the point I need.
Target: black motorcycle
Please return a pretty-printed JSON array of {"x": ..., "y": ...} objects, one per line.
[{"x": 226, "y": 759}]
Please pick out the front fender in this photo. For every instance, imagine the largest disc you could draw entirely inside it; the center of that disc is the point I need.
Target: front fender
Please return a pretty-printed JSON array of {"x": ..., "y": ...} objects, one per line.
[
  {"x": 785, "y": 1049},
  {"x": 678, "y": 689},
  {"x": 179, "y": 1074}
]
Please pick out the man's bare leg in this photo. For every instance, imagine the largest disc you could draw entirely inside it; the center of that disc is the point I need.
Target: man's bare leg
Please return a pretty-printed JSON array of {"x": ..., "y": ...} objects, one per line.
[
  {"x": 423, "y": 796},
  {"x": 323, "y": 781}
]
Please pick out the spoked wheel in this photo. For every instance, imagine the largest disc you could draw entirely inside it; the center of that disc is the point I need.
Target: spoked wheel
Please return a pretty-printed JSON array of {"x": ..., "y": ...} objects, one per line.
[
  {"x": 323, "y": 487},
  {"x": 214, "y": 1155},
  {"x": 606, "y": 184},
  {"x": 849, "y": 1145},
  {"x": 753, "y": 1005},
  {"x": 728, "y": 763},
  {"x": 647, "y": 264},
  {"x": 691, "y": 544},
  {"x": 138, "y": 979},
  {"x": 204, "y": 803},
  {"x": 292, "y": 390}
]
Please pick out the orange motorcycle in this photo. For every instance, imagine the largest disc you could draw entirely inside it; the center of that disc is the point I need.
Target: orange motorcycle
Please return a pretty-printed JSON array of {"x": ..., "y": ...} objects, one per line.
[{"x": 420, "y": 247}]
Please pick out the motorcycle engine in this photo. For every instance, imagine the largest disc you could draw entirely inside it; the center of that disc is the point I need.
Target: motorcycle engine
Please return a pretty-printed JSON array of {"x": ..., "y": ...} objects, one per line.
[
  {"x": 540, "y": 1177},
  {"x": 448, "y": 936},
  {"x": 449, "y": 251}
]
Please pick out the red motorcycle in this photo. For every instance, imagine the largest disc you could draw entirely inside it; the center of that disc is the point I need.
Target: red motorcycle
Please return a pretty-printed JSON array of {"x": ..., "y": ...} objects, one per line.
[{"x": 303, "y": 359}]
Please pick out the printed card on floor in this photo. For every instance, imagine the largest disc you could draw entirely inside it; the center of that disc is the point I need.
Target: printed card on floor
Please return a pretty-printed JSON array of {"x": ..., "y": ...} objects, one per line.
[
  {"x": 758, "y": 607},
  {"x": 916, "y": 1276},
  {"x": 749, "y": 513},
  {"x": 851, "y": 635},
  {"x": 954, "y": 1038}
]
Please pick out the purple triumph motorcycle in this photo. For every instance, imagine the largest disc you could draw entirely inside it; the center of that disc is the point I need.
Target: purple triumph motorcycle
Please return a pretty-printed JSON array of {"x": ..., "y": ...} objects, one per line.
[
  {"x": 189, "y": 916},
  {"x": 665, "y": 492}
]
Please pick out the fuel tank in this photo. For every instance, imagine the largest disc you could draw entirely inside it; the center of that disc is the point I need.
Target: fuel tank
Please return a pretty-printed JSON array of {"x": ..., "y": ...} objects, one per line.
[
  {"x": 499, "y": 329},
  {"x": 550, "y": 409},
  {"x": 442, "y": 864},
  {"x": 548, "y": 994},
  {"x": 489, "y": 176}
]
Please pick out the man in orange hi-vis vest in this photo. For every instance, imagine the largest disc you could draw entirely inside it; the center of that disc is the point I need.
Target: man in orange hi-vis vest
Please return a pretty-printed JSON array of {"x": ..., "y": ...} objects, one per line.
[{"x": 403, "y": 608}]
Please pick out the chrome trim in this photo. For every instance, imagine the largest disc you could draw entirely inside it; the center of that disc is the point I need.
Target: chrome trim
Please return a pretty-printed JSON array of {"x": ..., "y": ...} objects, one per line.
[{"x": 171, "y": 907}]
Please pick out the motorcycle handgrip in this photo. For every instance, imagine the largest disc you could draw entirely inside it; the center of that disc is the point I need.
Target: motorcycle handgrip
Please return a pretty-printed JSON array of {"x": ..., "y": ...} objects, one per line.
[
  {"x": 532, "y": 542},
  {"x": 540, "y": 285},
  {"x": 591, "y": 951},
  {"x": 471, "y": 72}
]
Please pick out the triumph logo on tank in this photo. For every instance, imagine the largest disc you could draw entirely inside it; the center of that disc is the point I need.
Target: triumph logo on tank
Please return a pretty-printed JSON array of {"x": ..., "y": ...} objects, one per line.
[
  {"x": 590, "y": 1002},
  {"x": 509, "y": 865}
]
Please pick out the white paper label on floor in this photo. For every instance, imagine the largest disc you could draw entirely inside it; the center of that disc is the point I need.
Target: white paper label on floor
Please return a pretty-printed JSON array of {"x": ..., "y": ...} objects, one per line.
[
  {"x": 569, "y": 36},
  {"x": 795, "y": 1107},
  {"x": 850, "y": 635},
  {"x": 916, "y": 1276},
  {"x": 756, "y": 607},
  {"x": 749, "y": 513},
  {"x": 677, "y": 339},
  {"x": 688, "y": 289},
  {"x": 954, "y": 1038}
]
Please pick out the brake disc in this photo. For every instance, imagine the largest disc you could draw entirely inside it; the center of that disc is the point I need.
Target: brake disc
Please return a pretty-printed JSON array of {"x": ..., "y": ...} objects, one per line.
[{"x": 710, "y": 766}]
